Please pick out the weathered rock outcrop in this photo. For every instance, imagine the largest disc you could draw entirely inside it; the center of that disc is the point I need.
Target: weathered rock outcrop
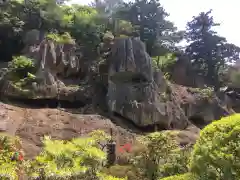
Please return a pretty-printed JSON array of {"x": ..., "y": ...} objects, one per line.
[
  {"x": 54, "y": 62},
  {"x": 201, "y": 105},
  {"x": 139, "y": 93},
  {"x": 136, "y": 91},
  {"x": 231, "y": 96}
]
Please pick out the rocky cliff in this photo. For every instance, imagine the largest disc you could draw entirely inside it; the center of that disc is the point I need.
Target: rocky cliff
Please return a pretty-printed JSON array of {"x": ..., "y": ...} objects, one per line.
[
  {"x": 140, "y": 93},
  {"x": 124, "y": 80},
  {"x": 55, "y": 64}
]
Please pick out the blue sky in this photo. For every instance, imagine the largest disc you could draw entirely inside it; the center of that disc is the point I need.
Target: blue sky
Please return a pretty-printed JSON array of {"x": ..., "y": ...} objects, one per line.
[{"x": 181, "y": 11}]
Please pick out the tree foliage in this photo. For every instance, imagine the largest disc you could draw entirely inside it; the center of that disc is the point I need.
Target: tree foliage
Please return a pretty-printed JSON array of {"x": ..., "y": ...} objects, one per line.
[
  {"x": 162, "y": 156},
  {"x": 209, "y": 52},
  {"x": 80, "y": 158},
  {"x": 216, "y": 153},
  {"x": 149, "y": 20}
]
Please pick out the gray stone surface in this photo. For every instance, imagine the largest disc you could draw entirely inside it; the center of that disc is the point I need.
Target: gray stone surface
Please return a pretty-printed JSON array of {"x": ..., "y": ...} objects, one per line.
[{"x": 135, "y": 89}]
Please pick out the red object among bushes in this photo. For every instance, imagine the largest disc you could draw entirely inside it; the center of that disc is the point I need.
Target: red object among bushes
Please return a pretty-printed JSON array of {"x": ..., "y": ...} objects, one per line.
[{"x": 125, "y": 148}]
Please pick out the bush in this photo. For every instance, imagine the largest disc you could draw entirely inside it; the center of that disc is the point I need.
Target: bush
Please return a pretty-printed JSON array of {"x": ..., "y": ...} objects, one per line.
[
  {"x": 62, "y": 39},
  {"x": 216, "y": 154},
  {"x": 164, "y": 62},
  {"x": 203, "y": 93},
  {"x": 176, "y": 163},
  {"x": 11, "y": 166},
  {"x": 162, "y": 158},
  {"x": 107, "y": 177},
  {"x": 80, "y": 158},
  {"x": 121, "y": 171},
  {"x": 186, "y": 176},
  {"x": 20, "y": 67}
]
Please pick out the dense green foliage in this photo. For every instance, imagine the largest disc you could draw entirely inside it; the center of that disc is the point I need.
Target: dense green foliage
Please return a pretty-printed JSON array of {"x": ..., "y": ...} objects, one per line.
[
  {"x": 20, "y": 66},
  {"x": 187, "y": 176},
  {"x": 164, "y": 62},
  {"x": 61, "y": 39},
  {"x": 161, "y": 157},
  {"x": 216, "y": 154},
  {"x": 80, "y": 158},
  {"x": 8, "y": 147},
  {"x": 209, "y": 53},
  {"x": 157, "y": 155}
]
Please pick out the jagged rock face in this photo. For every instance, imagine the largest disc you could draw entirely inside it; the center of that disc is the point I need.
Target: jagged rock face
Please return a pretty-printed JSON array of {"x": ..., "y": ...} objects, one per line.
[
  {"x": 134, "y": 89},
  {"x": 231, "y": 97},
  {"x": 61, "y": 59},
  {"x": 130, "y": 60},
  {"x": 55, "y": 58},
  {"x": 200, "y": 107},
  {"x": 54, "y": 62}
]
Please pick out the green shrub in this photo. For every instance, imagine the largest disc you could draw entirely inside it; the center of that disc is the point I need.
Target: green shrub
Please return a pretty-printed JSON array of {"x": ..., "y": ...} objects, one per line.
[
  {"x": 186, "y": 176},
  {"x": 162, "y": 156},
  {"x": 176, "y": 163},
  {"x": 107, "y": 177},
  {"x": 20, "y": 67},
  {"x": 62, "y": 39},
  {"x": 203, "y": 93},
  {"x": 121, "y": 171},
  {"x": 80, "y": 158},
  {"x": 216, "y": 154},
  {"x": 164, "y": 62},
  {"x": 9, "y": 167}
]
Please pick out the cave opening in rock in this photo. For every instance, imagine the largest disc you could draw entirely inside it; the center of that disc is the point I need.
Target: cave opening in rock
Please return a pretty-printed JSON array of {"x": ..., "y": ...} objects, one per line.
[
  {"x": 197, "y": 120},
  {"x": 122, "y": 121},
  {"x": 9, "y": 47},
  {"x": 46, "y": 103},
  {"x": 128, "y": 77}
]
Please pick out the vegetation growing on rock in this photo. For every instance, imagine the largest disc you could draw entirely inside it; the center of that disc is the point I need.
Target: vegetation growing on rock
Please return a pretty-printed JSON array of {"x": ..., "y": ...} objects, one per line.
[
  {"x": 216, "y": 154},
  {"x": 203, "y": 93},
  {"x": 20, "y": 67},
  {"x": 61, "y": 39},
  {"x": 164, "y": 62}
]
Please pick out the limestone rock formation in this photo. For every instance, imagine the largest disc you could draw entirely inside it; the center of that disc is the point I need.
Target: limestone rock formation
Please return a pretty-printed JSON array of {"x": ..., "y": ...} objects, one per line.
[
  {"x": 52, "y": 58},
  {"x": 201, "y": 105},
  {"x": 231, "y": 96},
  {"x": 136, "y": 91},
  {"x": 54, "y": 62},
  {"x": 141, "y": 94}
]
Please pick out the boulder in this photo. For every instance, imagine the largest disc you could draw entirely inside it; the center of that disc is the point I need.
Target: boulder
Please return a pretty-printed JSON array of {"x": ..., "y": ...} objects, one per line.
[{"x": 135, "y": 89}]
